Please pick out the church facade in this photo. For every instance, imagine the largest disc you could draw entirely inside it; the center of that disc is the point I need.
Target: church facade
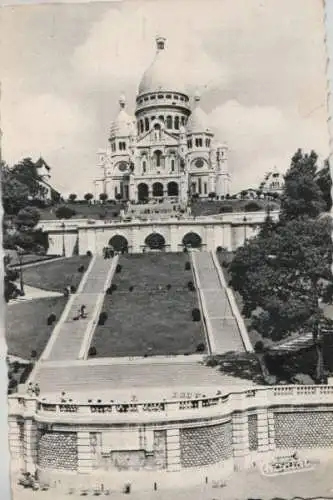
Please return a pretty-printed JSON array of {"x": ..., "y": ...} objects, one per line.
[{"x": 166, "y": 151}]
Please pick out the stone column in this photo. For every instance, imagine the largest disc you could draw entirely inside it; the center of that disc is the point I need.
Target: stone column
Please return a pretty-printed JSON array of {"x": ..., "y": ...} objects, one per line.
[
  {"x": 174, "y": 239},
  {"x": 84, "y": 455},
  {"x": 30, "y": 445},
  {"x": 135, "y": 240},
  {"x": 240, "y": 438},
  {"x": 173, "y": 450}
]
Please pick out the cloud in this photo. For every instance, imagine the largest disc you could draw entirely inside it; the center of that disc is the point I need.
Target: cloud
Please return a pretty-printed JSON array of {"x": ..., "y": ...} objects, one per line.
[
  {"x": 121, "y": 45},
  {"x": 255, "y": 135}
]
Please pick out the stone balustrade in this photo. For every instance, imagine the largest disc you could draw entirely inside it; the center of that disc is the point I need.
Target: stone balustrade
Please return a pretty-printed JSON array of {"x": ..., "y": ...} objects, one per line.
[{"x": 182, "y": 409}]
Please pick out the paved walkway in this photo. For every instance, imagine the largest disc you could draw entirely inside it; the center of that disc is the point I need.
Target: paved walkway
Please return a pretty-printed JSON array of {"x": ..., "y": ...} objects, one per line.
[
  {"x": 224, "y": 329},
  {"x": 32, "y": 293},
  {"x": 68, "y": 339}
]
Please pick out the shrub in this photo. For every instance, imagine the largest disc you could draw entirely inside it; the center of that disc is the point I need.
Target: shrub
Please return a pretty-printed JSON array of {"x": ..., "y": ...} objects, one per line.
[
  {"x": 102, "y": 318},
  {"x": 131, "y": 288},
  {"x": 226, "y": 209},
  {"x": 119, "y": 268},
  {"x": 191, "y": 286},
  {"x": 196, "y": 316},
  {"x": 219, "y": 249},
  {"x": 33, "y": 354},
  {"x": 115, "y": 214},
  {"x": 109, "y": 291},
  {"x": 201, "y": 347},
  {"x": 187, "y": 266},
  {"x": 80, "y": 269},
  {"x": 92, "y": 351},
  {"x": 64, "y": 212},
  {"x": 259, "y": 346},
  {"x": 252, "y": 206},
  {"x": 113, "y": 287},
  {"x": 89, "y": 254},
  {"x": 51, "y": 319},
  {"x": 12, "y": 275},
  {"x": 73, "y": 288},
  {"x": 168, "y": 287}
]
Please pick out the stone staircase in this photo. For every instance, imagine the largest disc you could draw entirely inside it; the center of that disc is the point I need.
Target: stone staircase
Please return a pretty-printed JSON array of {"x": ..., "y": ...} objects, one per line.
[
  {"x": 69, "y": 334},
  {"x": 222, "y": 326}
]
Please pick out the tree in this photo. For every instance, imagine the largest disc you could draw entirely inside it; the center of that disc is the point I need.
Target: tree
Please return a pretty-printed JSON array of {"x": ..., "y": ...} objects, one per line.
[
  {"x": 103, "y": 197},
  {"x": 324, "y": 181},
  {"x": 15, "y": 194},
  {"x": 64, "y": 212},
  {"x": 88, "y": 197},
  {"x": 301, "y": 195},
  {"x": 72, "y": 197},
  {"x": 278, "y": 273},
  {"x": 27, "y": 218}
]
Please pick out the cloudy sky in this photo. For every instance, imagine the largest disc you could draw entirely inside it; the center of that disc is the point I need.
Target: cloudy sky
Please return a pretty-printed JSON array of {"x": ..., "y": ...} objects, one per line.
[{"x": 260, "y": 67}]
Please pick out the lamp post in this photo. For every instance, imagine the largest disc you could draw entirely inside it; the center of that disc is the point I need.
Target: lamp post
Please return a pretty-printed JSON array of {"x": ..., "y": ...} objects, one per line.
[
  {"x": 19, "y": 253},
  {"x": 63, "y": 239}
]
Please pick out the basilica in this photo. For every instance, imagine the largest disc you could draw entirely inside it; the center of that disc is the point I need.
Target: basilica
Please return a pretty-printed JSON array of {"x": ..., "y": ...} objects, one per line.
[{"x": 166, "y": 152}]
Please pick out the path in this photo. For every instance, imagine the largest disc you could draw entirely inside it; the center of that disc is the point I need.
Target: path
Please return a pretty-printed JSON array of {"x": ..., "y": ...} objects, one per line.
[
  {"x": 222, "y": 326},
  {"x": 69, "y": 335}
]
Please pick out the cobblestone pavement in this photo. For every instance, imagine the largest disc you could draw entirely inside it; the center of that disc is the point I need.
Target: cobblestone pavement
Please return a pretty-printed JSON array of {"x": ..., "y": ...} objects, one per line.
[{"x": 241, "y": 485}]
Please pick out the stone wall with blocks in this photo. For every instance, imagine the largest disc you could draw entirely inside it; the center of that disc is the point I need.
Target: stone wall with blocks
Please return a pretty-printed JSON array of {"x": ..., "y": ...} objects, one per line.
[
  {"x": 205, "y": 445},
  {"x": 308, "y": 429},
  {"x": 57, "y": 450}
]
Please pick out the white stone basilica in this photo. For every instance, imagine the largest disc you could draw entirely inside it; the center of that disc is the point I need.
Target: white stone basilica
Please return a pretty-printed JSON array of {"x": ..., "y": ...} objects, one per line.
[{"x": 166, "y": 152}]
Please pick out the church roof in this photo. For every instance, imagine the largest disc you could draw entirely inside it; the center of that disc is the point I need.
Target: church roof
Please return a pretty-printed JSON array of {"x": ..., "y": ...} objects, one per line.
[
  {"x": 198, "y": 120},
  {"x": 159, "y": 75},
  {"x": 123, "y": 125}
]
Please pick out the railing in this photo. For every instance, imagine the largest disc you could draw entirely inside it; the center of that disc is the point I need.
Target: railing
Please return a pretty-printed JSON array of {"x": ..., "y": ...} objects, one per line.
[{"x": 214, "y": 405}]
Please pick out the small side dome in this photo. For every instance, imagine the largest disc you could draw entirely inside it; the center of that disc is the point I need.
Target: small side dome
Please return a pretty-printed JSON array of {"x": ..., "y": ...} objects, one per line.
[
  {"x": 198, "y": 121},
  {"x": 123, "y": 125}
]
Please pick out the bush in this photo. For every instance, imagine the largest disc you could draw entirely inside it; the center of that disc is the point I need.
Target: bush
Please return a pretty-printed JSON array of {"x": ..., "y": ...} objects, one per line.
[
  {"x": 102, "y": 318},
  {"x": 252, "y": 206},
  {"x": 80, "y": 269},
  {"x": 201, "y": 347},
  {"x": 187, "y": 266},
  {"x": 51, "y": 319},
  {"x": 168, "y": 287},
  {"x": 131, "y": 288},
  {"x": 89, "y": 254},
  {"x": 33, "y": 354},
  {"x": 259, "y": 346},
  {"x": 191, "y": 286},
  {"x": 92, "y": 351},
  {"x": 64, "y": 212},
  {"x": 226, "y": 209},
  {"x": 113, "y": 287},
  {"x": 219, "y": 249},
  {"x": 115, "y": 214},
  {"x": 119, "y": 268},
  {"x": 109, "y": 291},
  {"x": 196, "y": 316},
  {"x": 12, "y": 275}
]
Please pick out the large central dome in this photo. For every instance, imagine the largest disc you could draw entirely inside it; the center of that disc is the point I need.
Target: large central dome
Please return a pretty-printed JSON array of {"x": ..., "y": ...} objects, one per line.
[{"x": 161, "y": 74}]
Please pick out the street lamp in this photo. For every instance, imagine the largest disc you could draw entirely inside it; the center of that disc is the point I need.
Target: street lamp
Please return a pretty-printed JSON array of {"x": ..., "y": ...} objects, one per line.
[
  {"x": 63, "y": 239},
  {"x": 19, "y": 252}
]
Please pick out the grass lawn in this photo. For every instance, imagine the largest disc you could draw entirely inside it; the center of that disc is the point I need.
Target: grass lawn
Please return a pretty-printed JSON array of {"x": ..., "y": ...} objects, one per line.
[
  {"x": 150, "y": 319},
  {"x": 26, "y": 327},
  {"x": 28, "y": 258},
  {"x": 212, "y": 207},
  {"x": 56, "y": 275},
  {"x": 85, "y": 210}
]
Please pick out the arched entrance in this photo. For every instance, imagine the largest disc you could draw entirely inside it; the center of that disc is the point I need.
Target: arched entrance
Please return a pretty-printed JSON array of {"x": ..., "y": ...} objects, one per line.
[
  {"x": 173, "y": 189},
  {"x": 192, "y": 240},
  {"x": 142, "y": 191},
  {"x": 157, "y": 189},
  {"x": 155, "y": 241},
  {"x": 119, "y": 243}
]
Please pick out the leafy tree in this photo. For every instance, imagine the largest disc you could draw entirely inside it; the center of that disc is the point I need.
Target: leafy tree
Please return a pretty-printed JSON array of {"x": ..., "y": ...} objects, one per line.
[
  {"x": 27, "y": 218},
  {"x": 14, "y": 193},
  {"x": 64, "y": 212},
  {"x": 72, "y": 197},
  {"x": 301, "y": 196},
  {"x": 324, "y": 181},
  {"x": 88, "y": 197},
  {"x": 103, "y": 197}
]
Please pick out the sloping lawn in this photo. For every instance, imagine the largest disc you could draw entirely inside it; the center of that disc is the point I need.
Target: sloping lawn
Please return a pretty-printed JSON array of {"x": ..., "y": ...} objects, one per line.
[
  {"x": 151, "y": 319},
  {"x": 85, "y": 210},
  {"x": 26, "y": 325},
  {"x": 56, "y": 275},
  {"x": 213, "y": 207}
]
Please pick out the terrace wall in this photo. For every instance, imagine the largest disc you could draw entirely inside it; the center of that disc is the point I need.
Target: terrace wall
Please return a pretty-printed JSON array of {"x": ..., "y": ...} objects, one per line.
[{"x": 237, "y": 429}]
